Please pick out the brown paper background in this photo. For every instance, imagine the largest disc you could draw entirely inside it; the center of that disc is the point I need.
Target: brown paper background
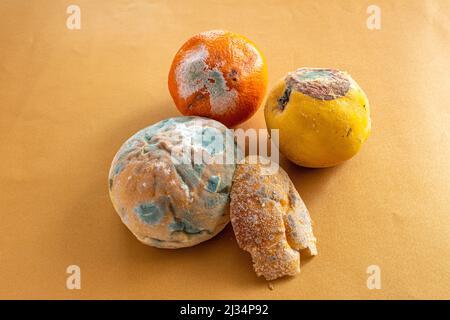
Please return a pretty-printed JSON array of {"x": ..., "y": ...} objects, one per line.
[{"x": 69, "y": 99}]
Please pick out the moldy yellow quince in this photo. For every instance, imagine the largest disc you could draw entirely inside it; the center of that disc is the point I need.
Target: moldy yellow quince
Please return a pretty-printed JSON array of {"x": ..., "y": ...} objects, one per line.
[{"x": 323, "y": 116}]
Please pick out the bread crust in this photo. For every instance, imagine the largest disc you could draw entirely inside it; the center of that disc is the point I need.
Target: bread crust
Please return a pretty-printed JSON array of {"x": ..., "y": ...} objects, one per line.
[{"x": 269, "y": 218}]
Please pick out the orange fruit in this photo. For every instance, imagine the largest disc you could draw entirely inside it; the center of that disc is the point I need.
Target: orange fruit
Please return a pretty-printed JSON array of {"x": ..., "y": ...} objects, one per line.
[{"x": 220, "y": 75}]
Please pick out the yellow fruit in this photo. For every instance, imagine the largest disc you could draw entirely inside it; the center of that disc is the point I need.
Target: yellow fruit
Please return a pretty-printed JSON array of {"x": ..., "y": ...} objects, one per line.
[{"x": 323, "y": 116}]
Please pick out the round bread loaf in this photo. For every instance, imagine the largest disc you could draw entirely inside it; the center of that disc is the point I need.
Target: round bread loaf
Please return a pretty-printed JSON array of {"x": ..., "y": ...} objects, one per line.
[
  {"x": 269, "y": 218},
  {"x": 164, "y": 193}
]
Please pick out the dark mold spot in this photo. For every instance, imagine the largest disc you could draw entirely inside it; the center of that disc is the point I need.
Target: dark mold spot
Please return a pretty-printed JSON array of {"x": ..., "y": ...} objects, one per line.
[
  {"x": 147, "y": 137},
  {"x": 150, "y": 212},
  {"x": 224, "y": 189},
  {"x": 213, "y": 183},
  {"x": 198, "y": 97},
  {"x": 349, "y": 131},
  {"x": 233, "y": 75},
  {"x": 284, "y": 99}
]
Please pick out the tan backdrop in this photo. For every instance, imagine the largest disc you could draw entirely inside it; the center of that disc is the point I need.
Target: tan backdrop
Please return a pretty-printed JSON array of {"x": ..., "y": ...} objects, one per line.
[{"x": 69, "y": 99}]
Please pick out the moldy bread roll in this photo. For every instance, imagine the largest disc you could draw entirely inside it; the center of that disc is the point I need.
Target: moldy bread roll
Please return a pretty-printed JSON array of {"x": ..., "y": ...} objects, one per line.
[{"x": 167, "y": 203}]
